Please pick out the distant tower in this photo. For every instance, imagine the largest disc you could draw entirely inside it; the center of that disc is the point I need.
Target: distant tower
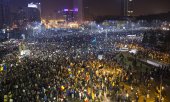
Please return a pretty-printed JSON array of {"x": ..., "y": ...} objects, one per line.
[
  {"x": 130, "y": 9},
  {"x": 123, "y": 7},
  {"x": 86, "y": 10},
  {"x": 1, "y": 14},
  {"x": 127, "y": 7},
  {"x": 79, "y": 5},
  {"x": 83, "y": 9},
  {"x": 4, "y": 13}
]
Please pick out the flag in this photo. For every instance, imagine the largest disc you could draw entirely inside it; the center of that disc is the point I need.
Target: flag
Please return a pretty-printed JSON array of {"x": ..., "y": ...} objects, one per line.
[
  {"x": 1, "y": 68},
  {"x": 93, "y": 95},
  {"x": 89, "y": 90},
  {"x": 113, "y": 84},
  {"x": 94, "y": 40},
  {"x": 4, "y": 67},
  {"x": 62, "y": 87}
]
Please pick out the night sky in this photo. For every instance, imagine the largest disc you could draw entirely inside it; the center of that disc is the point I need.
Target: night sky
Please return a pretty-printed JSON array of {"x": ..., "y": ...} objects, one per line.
[{"x": 100, "y": 7}]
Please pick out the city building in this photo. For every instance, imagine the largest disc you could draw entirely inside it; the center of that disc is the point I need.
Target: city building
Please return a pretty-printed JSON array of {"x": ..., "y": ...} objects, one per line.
[
  {"x": 70, "y": 15},
  {"x": 1, "y": 14},
  {"x": 127, "y": 7},
  {"x": 35, "y": 5},
  {"x": 28, "y": 14},
  {"x": 123, "y": 7},
  {"x": 130, "y": 10},
  {"x": 4, "y": 13},
  {"x": 83, "y": 9}
]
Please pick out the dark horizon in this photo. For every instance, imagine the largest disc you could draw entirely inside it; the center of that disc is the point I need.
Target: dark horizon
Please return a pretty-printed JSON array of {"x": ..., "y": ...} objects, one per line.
[{"x": 99, "y": 7}]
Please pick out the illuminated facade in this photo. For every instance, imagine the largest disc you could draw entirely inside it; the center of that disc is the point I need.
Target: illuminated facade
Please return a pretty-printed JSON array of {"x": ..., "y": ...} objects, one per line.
[
  {"x": 70, "y": 15},
  {"x": 35, "y": 5}
]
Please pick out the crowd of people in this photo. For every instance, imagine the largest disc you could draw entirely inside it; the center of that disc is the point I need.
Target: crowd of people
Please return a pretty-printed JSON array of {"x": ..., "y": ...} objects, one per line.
[
  {"x": 148, "y": 53},
  {"x": 70, "y": 70}
]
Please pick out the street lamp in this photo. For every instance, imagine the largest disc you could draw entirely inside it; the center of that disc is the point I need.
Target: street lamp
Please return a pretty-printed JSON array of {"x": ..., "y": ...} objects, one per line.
[
  {"x": 160, "y": 93},
  {"x": 7, "y": 33},
  {"x": 132, "y": 31}
]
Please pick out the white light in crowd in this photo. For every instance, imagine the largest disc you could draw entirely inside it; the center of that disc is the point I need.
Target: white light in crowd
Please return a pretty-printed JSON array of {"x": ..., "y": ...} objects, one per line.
[
  {"x": 3, "y": 30},
  {"x": 100, "y": 57},
  {"x": 163, "y": 88},
  {"x": 127, "y": 95},
  {"x": 164, "y": 28}
]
